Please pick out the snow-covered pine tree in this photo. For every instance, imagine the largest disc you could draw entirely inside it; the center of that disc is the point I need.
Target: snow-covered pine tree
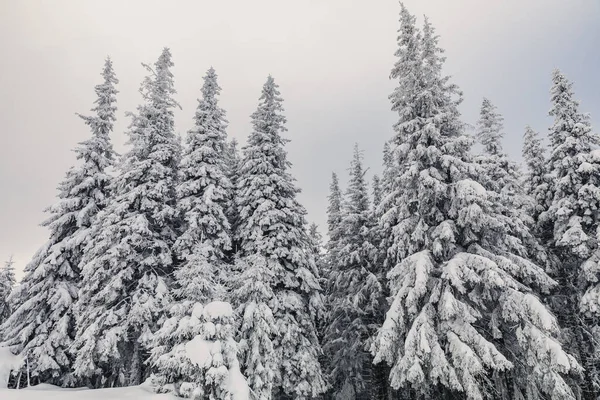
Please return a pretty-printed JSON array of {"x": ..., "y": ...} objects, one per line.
[
  {"x": 126, "y": 265},
  {"x": 573, "y": 223},
  {"x": 355, "y": 294},
  {"x": 334, "y": 215},
  {"x": 232, "y": 157},
  {"x": 489, "y": 128},
  {"x": 272, "y": 231},
  {"x": 41, "y": 326},
  {"x": 463, "y": 311},
  {"x": 536, "y": 182},
  {"x": 7, "y": 283},
  {"x": 377, "y": 193},
  {"x": 316, "y": 248},
  {"x": 214, "y": 351},
  {"x": 501, "y": 174},
  {"x": 316, "y": 240},
  {"x": 204, "y": 190},
  {"x": 203, "y": 195}
]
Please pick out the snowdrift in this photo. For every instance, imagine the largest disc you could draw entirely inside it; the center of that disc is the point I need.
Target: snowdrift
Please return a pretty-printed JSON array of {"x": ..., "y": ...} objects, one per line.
[{"x": 49, "y": 392}]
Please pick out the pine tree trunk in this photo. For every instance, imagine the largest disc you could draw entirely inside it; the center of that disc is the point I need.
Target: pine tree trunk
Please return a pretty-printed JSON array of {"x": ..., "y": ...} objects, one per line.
[{"x": 379, "y": 386}]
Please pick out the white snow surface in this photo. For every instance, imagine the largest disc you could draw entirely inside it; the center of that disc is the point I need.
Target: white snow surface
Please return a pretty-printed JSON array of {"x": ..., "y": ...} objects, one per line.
[
  {"x": 49, "y": 392},
  {"x": 218, "y": 309}
]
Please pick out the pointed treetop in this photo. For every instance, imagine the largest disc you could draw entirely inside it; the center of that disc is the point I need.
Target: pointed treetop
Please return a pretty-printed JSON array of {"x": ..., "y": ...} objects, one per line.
[
  {"x": 408, "y": 43},
  {"x": 489, "y": 128},
  {"x": 431, "y": 52},
  {"x": 159, "y": 86},
  {"x": 108, "y": 72},
  {"x": 565, "y": 110},
  {"x": 210, "y": 88},
  {"x": 268, "y": 120},
  {"x": 335, "y": 205},
  {"x": 357, "y": 188}
]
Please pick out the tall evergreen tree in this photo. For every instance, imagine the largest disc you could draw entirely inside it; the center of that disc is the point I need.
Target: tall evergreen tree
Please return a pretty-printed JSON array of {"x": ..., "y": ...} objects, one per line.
[
  {"x": 463, "y": 308},
  {"x": 377, "y": 193},
  {"x": 41, "y": 326},
  {"x": 7, "y": 283},
  {"x": 489, "y": 128},
  {"x": 126, "y": 265},
  {"x": 501, "y": 174},
  {"x": 573, "y": 223},
  {"x": 334, "y": 217},
  {"x": 355, "y": 294},
  {"x": 272, "y": 231},
  {"x": 536, "y": 182},
  {"x": 203, "y": 194},
  {"x": 334, "y": 210},
  {"x": 232, "y": 157}
]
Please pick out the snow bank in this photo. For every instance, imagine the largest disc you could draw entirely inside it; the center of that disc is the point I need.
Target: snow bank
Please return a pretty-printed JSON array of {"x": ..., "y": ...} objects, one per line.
[
  {"x": 49, "y": 392},
  {"x": 8, "y": 362}
]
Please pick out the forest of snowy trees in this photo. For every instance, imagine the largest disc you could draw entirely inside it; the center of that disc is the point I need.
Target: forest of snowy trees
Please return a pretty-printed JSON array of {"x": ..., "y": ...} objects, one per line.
[{"x": 456, "y": 274}]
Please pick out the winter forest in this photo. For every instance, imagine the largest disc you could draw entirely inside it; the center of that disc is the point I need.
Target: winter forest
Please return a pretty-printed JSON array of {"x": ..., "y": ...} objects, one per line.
[{"x": 190, "y": 267}]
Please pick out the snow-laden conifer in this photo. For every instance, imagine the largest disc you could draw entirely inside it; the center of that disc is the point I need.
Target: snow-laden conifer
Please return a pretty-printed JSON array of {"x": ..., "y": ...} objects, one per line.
[
  {"x": 256, "y": 298},
  {"x": 206, "y": 365},
  {"x": 354, "y": 301},
  {"x": 500, "y": 174},
  {"x": 232, "y": 157},
  {"x": 272, "y": 231},
  {"x": 126, "y": 265},
  {"x": 334, "y": 216},
  {"x": 573, "y": 228},
  {"x": 7, "y": 283},
  {"x": 537, "y": 181},
  {"x": 41, "y": 326},
  {"x": 464, "y": 311},
  {"x": 502, "y": 178},
  {"x": 377, "y": 193},
  {"x": 202, "y": 200}
]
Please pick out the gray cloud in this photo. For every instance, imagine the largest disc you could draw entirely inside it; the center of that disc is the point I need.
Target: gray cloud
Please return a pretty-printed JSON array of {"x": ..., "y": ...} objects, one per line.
[{"x": 331, "y": 58}]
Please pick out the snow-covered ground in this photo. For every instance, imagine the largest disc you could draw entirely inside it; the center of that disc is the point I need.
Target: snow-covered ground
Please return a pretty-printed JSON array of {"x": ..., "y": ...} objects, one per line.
[{"x": 49, "y": 392}]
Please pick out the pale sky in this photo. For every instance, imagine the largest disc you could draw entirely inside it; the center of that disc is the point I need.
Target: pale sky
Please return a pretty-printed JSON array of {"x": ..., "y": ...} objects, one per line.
[{"x": 331, "y": 58}]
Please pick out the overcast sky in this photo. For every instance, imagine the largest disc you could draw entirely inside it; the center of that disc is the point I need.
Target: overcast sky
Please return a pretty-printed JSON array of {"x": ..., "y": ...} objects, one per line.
[{"x": 331, "y": 59}]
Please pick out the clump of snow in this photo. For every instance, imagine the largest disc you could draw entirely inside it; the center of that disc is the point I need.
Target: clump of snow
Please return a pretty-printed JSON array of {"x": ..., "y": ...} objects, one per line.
[
  {"x": 8, "y": 363},
  {"x": 468, "y": 187},
  {"x": 199, "y": 351},
  {"x": 218, "y": 309}
]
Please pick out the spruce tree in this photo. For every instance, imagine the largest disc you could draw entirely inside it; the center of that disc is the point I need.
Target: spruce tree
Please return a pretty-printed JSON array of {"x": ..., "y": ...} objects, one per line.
[
  {"x": 215, "y": 351},
  {"x": 463, "y": 310},
  {"x": 377, "y": 193},
  {"x": 7, "y": 283},
  {"x": 355, "y": 294},
  {"x": 536, "y": 182},
  {"x": 501, "y": 174},
  {"x": 256, "y": 301},
  {"x": 126, "y": 265},
  {"x": 572, "y": 219},
  {"x": 502, "y": 178},
  {"x": 275, "y": 245},
  {"x": 232, "y": 157},
  {"x": 41, "y": 326},
  {"x": 203, "y": 194}
]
